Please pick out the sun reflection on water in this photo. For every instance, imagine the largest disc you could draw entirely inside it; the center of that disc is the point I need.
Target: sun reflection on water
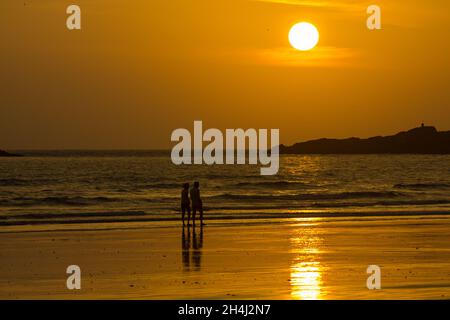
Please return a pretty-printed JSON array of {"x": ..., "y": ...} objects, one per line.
[
  {"x": 306, "y": 271},
  {"x": 306, "y": 281}
]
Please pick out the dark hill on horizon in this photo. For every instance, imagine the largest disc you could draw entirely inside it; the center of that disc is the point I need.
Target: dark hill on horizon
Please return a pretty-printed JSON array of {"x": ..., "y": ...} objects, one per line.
[
  {"x": 421, "y": 140},
  {"x": 7, "y": 154}
]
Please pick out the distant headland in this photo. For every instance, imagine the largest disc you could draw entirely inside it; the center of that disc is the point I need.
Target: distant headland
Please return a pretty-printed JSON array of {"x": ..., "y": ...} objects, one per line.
[
  {"x": 421, "y": 140},
  {"x": 7, "y": 154}
]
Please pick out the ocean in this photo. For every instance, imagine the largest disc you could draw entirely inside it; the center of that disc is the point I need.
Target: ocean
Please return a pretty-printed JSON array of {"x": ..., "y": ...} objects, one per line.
[{"x": 63, "y": 187}]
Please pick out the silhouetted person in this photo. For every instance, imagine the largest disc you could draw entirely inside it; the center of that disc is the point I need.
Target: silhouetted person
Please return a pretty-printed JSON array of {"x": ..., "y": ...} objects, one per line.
[
  {"x": 197, "y": 204},
  {"x": 185, "y": 203}
]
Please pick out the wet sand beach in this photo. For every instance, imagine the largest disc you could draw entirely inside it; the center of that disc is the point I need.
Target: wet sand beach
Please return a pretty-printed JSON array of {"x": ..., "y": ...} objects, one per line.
[{"x": 298, "y": 258}]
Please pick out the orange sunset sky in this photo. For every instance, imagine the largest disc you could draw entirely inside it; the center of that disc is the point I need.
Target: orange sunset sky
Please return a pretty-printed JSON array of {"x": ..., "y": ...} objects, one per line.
[{"x": 139, "y": 69}]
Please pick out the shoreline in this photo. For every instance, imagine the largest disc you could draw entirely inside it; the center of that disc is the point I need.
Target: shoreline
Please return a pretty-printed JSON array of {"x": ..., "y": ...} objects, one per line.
[{"x": 141, "y": 217}]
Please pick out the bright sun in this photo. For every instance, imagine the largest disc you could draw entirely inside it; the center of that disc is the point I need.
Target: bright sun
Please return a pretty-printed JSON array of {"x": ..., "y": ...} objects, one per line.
[{"x": 303, "y": 36}]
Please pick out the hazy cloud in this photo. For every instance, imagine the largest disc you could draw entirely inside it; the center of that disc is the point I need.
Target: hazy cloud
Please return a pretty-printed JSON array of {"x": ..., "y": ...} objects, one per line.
[{"x": 343, "y": 5}]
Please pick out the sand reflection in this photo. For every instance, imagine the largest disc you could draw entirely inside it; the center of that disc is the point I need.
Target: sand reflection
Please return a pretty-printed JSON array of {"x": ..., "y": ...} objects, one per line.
[
  {"x": 306, "y": 270},
  {"x": 191, "y": 248}
]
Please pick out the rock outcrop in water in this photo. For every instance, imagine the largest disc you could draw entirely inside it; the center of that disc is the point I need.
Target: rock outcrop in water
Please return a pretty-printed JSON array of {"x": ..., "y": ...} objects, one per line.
[
  {"x": 7, "y": 154},
  {"x": 421, "y": 140}
]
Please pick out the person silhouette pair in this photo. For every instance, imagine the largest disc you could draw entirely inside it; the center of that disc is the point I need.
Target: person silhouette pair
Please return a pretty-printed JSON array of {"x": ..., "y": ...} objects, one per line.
[{"x": 189, "y": 197}]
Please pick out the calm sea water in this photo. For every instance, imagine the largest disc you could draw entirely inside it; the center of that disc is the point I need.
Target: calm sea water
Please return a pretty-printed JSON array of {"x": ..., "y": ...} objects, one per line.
[{"x": 97, "y": 186}]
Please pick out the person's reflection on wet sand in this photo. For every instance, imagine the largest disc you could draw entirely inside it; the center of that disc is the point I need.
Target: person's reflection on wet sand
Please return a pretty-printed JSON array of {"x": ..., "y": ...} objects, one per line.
[
  {"x": 185, "y": 245},
  {"x": 196, "y": 246}
]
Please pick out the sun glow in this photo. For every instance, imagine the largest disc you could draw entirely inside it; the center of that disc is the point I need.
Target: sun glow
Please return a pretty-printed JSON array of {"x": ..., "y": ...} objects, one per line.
[{"x": 303, "y": 36}]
